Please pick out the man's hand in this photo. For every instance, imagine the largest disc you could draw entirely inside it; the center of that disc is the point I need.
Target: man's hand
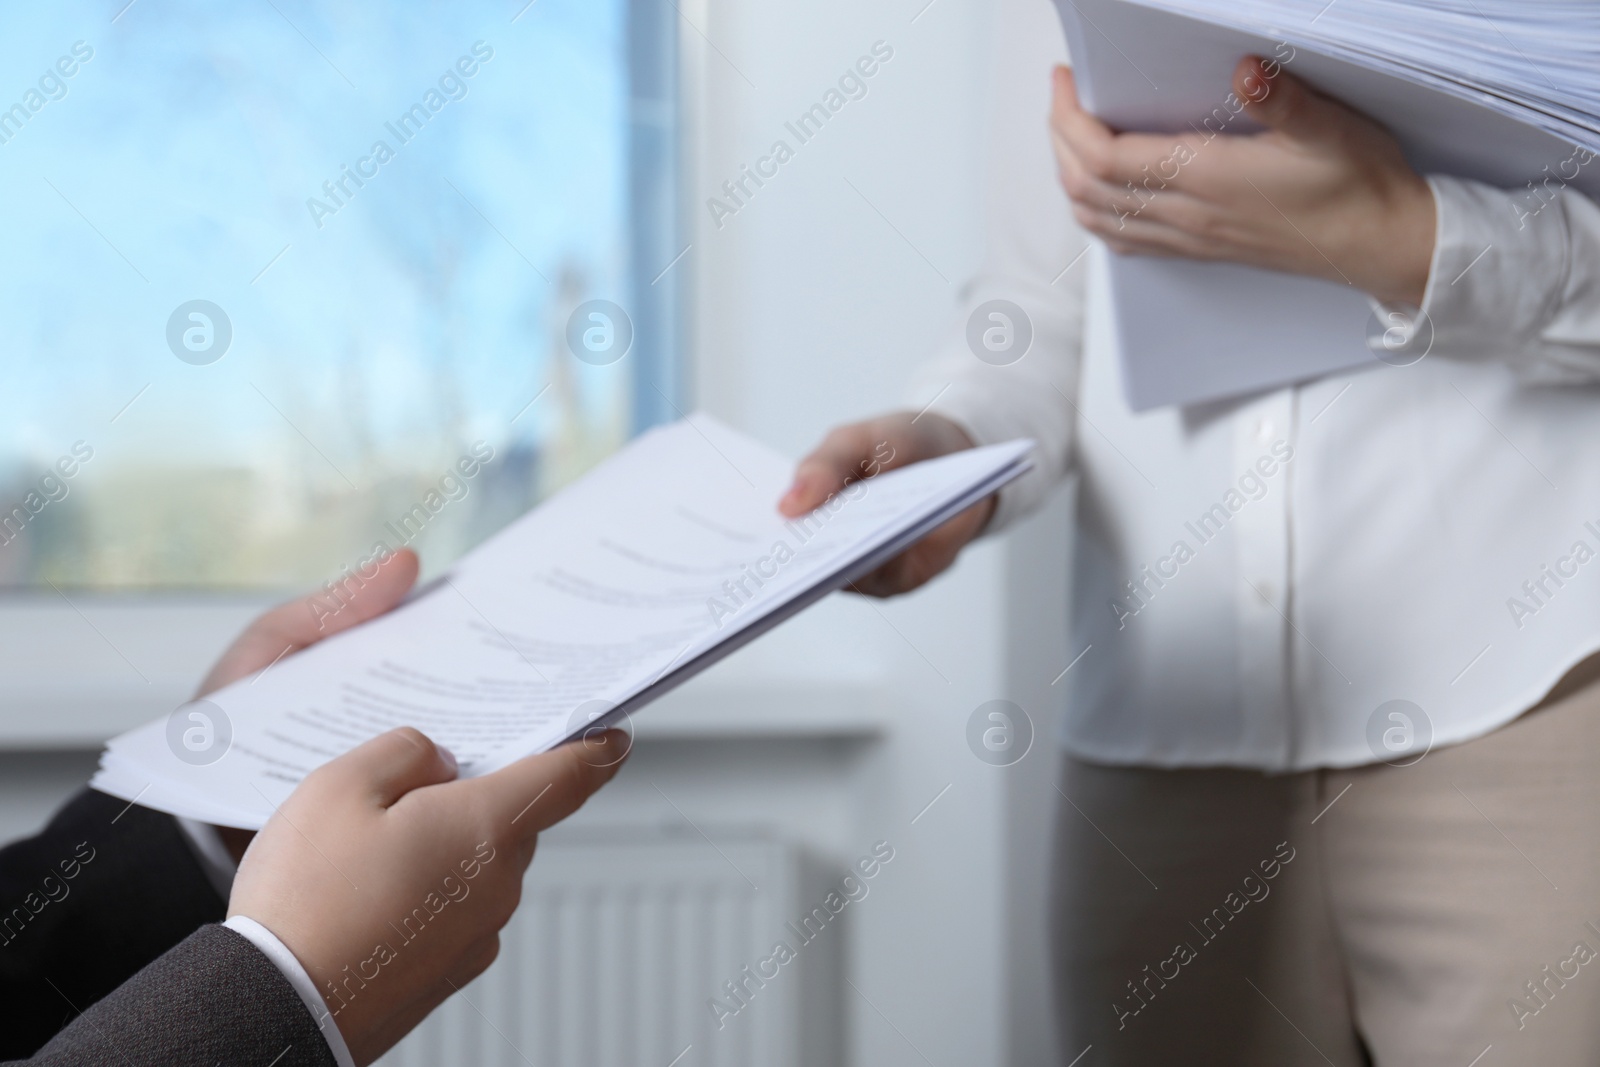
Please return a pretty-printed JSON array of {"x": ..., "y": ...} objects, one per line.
[
  {"x": 292, "y": 626},
  {"x": 390, "y": 880},
  {"x": 863, "y": 449},
  {"x": 1322, "y": 191}
]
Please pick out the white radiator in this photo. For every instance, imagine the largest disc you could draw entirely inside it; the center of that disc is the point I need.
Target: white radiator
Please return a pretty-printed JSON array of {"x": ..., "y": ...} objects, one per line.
[{"x": 620, "y": 943}]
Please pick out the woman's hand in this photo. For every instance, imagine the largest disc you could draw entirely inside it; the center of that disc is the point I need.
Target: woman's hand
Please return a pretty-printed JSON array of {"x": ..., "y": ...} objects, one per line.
[
  {"x": 1322, "y": 191},
  {"x": 863, "y": 449}
]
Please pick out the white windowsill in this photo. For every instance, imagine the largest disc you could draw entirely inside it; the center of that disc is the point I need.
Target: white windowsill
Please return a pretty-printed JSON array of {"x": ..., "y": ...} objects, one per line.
[{"x": 73, "y": 675}]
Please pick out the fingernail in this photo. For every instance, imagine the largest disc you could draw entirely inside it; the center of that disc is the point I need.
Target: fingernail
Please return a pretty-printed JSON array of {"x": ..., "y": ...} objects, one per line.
[{"x": 448, "y": 757}]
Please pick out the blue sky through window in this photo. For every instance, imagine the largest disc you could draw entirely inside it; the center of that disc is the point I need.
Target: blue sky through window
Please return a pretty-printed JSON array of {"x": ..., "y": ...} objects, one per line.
[{"x": 395, "y": 208}]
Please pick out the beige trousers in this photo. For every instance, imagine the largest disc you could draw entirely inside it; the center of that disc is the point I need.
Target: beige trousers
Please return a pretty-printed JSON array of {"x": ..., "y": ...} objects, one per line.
[{"x": 1443, "y": 913}]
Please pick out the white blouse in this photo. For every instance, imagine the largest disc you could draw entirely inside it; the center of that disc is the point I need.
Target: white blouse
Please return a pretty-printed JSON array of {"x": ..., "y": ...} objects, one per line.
[{"x": 1256, "y": 580}]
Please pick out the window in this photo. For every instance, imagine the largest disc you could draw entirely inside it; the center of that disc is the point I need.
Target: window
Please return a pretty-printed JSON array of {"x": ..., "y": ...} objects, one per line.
[{"x": 285, "y": 281}]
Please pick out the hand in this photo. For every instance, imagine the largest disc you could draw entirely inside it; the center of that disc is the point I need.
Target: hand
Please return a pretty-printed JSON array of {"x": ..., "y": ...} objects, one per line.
[
  {"x": 390, "y": 880},
  {"x": 1322, "y": 191},
  {"x": 292, "y": 626},
  {"x": 864, "y": 449}
]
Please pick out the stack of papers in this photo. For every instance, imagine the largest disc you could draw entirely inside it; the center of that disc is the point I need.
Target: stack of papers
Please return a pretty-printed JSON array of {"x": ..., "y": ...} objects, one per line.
[
  {"x": 1536, "y": 61},
  {"x": 1500, "y": 91},
  {"x": 661, "y": 561}
]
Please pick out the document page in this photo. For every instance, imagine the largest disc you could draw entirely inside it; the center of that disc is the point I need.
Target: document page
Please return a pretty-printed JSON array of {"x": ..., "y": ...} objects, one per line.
[{"x": 621, "y": 585}]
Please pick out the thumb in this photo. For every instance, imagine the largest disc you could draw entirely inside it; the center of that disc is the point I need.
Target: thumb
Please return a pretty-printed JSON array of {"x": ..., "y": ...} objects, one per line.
[
  {"x": 1065, "y": 86},
  {"x": 825, "y": 469},
  {"x": 1282, "y": 102},
  {"x": 538, "y": 791},
  {"x": 387, "y": 767}
]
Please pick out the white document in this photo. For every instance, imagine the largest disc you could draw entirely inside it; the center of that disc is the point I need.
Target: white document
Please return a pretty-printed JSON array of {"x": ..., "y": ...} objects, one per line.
[
  {"x": 1191, "y": 331},
  {"x": 659, "y": 562}
]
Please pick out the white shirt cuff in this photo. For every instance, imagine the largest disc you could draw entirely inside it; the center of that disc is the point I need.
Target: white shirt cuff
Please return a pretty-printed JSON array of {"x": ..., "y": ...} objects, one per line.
[
  {"x": 284, "y": 960},
  {"x": 1498, "y": 270}
]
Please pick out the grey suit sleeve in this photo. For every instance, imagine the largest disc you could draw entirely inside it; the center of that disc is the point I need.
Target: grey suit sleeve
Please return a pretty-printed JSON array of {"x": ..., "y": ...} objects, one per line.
[
  {"x": 100, "y": 892},
  {"x": 213, "y": 998}
]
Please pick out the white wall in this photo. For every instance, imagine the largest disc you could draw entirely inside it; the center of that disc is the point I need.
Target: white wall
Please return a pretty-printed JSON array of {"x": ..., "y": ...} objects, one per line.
[
  {"x": 813, "y": 307},
  {"x": 816, "y": 300}
]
